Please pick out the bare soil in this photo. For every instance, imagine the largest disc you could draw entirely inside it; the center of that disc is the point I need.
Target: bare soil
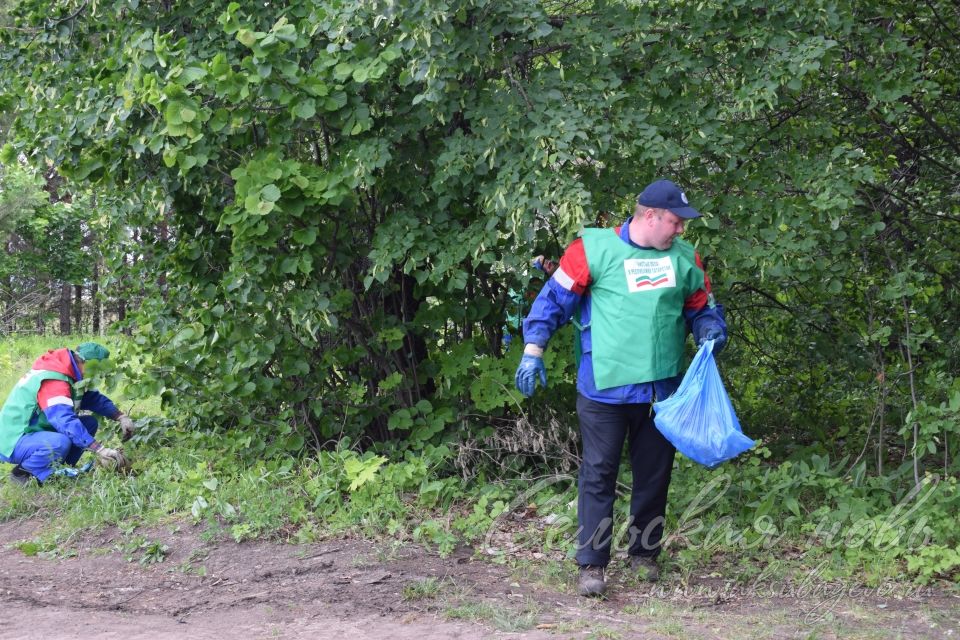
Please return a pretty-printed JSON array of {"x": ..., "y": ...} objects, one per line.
[{"x": 112, "y": 584}]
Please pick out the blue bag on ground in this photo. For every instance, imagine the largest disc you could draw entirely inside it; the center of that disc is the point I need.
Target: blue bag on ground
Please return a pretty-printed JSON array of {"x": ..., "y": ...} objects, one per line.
[{"x": 699, "y": 419}]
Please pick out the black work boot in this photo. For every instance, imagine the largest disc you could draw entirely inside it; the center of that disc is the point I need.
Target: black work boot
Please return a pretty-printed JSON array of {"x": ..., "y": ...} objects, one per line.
[
  {"x": 591, "y": 583},
  {"x": 645, "y": 567},
  {"x": 20, "y": 476}
]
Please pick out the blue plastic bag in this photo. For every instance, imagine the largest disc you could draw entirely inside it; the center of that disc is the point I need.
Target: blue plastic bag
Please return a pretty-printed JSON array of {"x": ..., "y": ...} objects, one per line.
[{"x": 699, "y": 419}]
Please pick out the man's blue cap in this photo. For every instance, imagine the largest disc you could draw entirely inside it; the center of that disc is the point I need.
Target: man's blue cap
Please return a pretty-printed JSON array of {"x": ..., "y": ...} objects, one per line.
[{"x": 664, "y": 194}]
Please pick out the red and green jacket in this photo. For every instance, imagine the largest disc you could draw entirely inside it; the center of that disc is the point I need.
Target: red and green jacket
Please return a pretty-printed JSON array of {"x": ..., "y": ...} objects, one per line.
[{"x": 567, "y": 294}]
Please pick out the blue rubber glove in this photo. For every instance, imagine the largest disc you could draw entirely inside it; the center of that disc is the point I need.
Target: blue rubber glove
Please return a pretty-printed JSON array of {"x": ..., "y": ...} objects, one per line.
[
  {"x": 527, "y": 372},
  {"x": 716, "y": 334}
]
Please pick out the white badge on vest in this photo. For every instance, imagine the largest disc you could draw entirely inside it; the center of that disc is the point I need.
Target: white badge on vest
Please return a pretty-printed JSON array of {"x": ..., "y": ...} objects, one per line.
[{"x": 647, "y": 275}]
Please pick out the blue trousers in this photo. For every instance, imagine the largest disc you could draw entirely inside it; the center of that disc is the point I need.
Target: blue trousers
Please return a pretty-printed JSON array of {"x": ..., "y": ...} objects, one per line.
[
  {"x": 40, "y": 452},
  {"x": 603, "y": 429}
]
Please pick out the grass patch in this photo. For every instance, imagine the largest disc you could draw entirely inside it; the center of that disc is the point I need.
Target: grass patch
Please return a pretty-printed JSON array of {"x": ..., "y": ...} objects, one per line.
[
  {"x": 574, "y": 626},
  {"x": 669, "y": 628},
  {"x": 502, "y": 618},
  {"x": 605, "y": 633},
  {"x": 650, "y": 609},
  {"x": 559, "y": 575},
  {"x": 425, "y": 589}
]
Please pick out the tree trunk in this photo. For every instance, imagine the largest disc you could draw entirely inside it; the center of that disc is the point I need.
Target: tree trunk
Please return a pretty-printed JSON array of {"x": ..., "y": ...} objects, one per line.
[
  {"x": 78, "y": 308},
  {"x": 10, "y": 307},
  {"x": 95, "y": 298},
  {"x": 163, "y": 233},
  {"x": 65, "y": 309},
  {"x": 122, "y": 301}
]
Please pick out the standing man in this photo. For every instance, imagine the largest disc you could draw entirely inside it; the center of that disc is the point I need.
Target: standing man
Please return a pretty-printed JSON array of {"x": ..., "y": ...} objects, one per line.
[
  {"x": 39, "y": 427},
  {"x": 639, "y": 290}
]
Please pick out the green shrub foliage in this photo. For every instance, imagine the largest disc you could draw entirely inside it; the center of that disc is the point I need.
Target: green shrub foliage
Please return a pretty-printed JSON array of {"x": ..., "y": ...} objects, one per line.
[{"x": 333, "y": 201}]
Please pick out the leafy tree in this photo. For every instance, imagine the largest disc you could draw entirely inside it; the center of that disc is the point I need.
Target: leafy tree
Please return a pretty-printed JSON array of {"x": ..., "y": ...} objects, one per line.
[
  {"x": 43, "y": 248},
  {"x": 341, "y": 195}
]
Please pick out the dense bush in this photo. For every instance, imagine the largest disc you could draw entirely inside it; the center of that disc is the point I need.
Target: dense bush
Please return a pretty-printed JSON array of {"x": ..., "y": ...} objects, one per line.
[{"x": 334, "y": 202}]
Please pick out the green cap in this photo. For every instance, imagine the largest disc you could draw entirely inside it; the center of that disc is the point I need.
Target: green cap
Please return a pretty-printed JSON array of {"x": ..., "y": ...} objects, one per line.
[{"x": 92, "y": 351}]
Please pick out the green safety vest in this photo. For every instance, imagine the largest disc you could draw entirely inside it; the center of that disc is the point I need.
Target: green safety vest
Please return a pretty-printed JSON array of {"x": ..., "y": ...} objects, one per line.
[
  {"x": 21, "y": 406},
  {"x": 636, "y": 312}
]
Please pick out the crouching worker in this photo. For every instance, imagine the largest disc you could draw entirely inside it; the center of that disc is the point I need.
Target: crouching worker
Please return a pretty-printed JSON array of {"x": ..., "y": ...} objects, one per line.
[{"x": 40, "y": 431}]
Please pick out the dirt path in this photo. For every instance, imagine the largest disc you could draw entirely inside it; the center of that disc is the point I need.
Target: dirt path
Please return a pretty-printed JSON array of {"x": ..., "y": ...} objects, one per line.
[
  {"x": 98, "y": 587},
  {"x": 126, "y": 585}
]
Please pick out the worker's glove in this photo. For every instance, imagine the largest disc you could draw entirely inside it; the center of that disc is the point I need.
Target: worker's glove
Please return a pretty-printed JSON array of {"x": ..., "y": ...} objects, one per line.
[
  {"x": 542, "y": 264},
  {"x": 126, "y": 427},
  {"x": 530, "y": 366},
  {"x": 112, "y": 459},
  {"x": 716, "y": 334}
]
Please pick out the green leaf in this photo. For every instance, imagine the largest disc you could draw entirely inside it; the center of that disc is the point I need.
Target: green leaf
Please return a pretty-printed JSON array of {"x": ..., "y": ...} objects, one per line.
[
  {"x": 270, "y": 193},
  {"x": 294, "y": 443},
  {"x": 187, "y": 162},
  {"x": 306, "y": 237},
  {"x": 305, "y": 109},
  {"x": 424, "y": 407},
  {"x": 400, "y": 419},
  {"x": 343, "y": 71},
  {"x": 86, "y": 167},
  {"x": 247, "y": 37},
  {"x": 8, "y": 154},
  {"x": 219, "y": 120},
  {"x": 391, "y": 382},
  {"x": 192, "y": 74},
  {"x": 335, "y": 101},
  {"x": 390, "y": 54},
  {"x": 183, "y": 335},
  {"x": 542, "y": 30},
  {"x": 172, "y": 113},
  {"x": 360, "y": 472},
  {"x": 283, "y": 31},
  {"x": 252, "y": 203},
  {"x": 199, "y": 506},
  {"x": 290, "y": 264}
]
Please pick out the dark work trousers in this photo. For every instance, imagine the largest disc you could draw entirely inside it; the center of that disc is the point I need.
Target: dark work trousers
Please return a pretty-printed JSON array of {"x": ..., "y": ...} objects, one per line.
[{"x": 603, "y": 428}]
